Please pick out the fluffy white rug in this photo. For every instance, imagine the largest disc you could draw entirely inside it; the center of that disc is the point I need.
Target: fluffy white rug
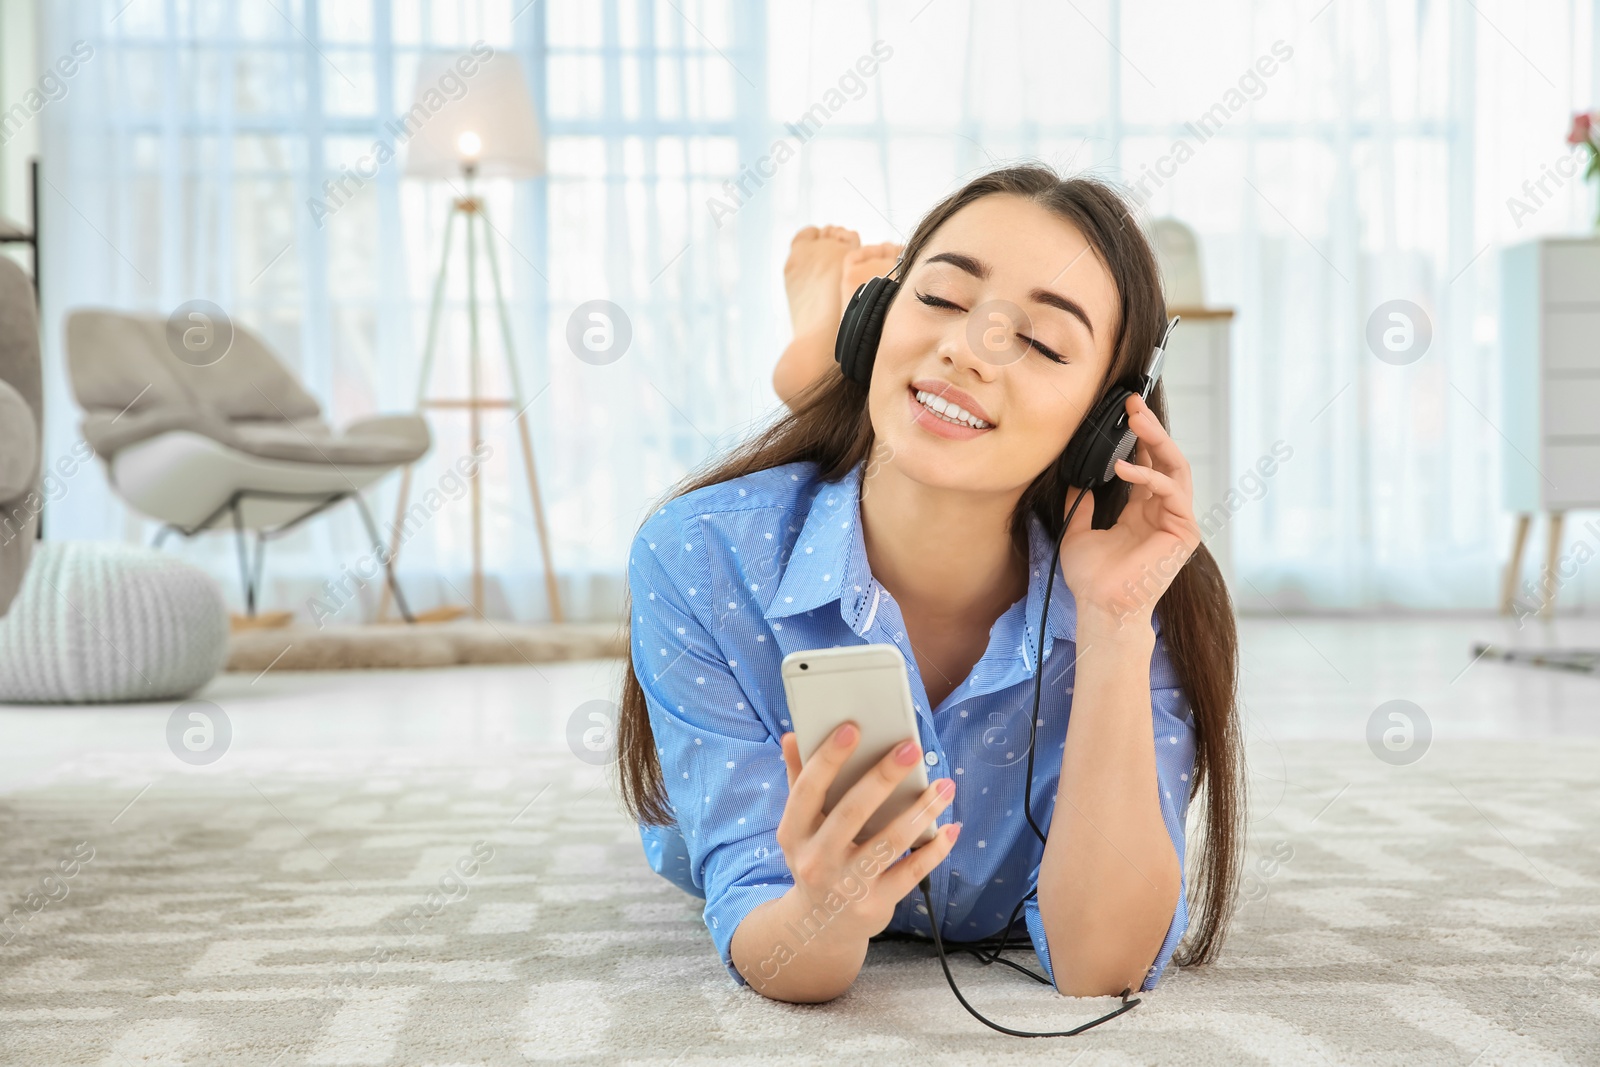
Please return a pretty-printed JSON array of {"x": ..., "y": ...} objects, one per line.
[{"x": 387, "y": 910}]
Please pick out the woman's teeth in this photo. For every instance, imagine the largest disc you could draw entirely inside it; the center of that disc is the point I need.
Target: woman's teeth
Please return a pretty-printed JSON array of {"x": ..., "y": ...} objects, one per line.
[{"x": 949, "y": 412}]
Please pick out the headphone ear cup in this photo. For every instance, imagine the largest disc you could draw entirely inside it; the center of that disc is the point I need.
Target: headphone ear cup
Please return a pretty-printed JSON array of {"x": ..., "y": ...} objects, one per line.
[
  {"x": 855, "y": 347},
  {"x": 1100, "y": 440}
]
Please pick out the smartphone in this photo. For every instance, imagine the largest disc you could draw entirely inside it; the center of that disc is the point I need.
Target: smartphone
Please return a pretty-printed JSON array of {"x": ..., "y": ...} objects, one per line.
[{"x": 867, "y": 685}]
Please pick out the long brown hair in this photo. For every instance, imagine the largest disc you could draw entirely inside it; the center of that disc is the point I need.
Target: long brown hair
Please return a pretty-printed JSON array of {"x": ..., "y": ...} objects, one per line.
[{"x": 830, "y": 427}]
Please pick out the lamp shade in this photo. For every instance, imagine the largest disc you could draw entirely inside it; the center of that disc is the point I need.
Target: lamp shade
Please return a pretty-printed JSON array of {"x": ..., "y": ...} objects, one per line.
[{"x": 469, "y": 111}]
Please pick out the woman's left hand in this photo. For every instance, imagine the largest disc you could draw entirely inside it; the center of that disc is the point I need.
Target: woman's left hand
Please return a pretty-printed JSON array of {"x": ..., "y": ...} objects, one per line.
[{"x": 1117, "y": 575}]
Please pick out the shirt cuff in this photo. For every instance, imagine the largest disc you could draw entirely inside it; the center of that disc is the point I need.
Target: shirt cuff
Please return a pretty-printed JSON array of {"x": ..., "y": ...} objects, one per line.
[{"x": 724, "y": 917}]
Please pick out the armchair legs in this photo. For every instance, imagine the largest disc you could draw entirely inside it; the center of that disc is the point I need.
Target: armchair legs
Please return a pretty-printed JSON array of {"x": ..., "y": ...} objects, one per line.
[
  {"x": 250, "y": 565},
  {"x": 249, "y": 577},
  {"x": 383, "y": 554}
]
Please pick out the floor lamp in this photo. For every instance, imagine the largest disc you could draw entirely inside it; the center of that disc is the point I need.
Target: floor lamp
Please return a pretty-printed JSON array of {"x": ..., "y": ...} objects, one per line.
[{"x": 489, "y": 131}]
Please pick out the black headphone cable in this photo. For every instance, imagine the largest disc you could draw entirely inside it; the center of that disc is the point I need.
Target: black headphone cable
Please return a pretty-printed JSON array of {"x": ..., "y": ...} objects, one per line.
[{"x": 1027, "y": 809}]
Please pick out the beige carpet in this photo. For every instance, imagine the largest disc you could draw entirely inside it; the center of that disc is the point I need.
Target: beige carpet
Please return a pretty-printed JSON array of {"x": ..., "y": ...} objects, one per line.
[
  {"x": 306, "y": 648},
  {"x": 268, "y": 910}
]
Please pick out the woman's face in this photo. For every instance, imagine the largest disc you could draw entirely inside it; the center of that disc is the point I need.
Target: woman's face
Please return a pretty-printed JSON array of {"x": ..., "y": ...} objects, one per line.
[{"x": 1009, "y": 315}]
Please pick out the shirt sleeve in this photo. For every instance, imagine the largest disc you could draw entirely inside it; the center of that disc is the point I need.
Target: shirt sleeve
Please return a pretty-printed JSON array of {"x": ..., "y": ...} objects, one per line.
[
  {"x": 723, "y": 769},
  {"x": 1175, "y": 751}
]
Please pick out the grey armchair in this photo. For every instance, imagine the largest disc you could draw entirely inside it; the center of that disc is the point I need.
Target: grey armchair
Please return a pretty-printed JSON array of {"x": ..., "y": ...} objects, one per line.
[{"x": 239, "y": 438}]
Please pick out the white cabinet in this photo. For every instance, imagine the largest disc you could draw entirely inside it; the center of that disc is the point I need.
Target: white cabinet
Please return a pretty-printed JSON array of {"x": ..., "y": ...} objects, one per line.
[
  {"x": 1197, "y": 379},
  {"x": 1550, "y": 389}
]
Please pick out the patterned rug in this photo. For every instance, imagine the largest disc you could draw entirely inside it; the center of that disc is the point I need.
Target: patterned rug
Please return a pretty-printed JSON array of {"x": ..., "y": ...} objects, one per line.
[
  {"x": 396, "y": 645},
  {"x": 401, "y": 910}
]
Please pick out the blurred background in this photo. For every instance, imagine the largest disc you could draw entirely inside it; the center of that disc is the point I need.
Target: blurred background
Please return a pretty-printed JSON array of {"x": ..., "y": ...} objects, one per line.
[{"x": 1340, "y": 155}]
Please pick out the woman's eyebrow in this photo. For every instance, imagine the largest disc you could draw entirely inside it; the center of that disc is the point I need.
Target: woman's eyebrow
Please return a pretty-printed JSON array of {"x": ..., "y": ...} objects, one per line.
[
  {"x": 980, "y": 270},
  {"x": 1056, "y": 300},
  {"x": 975, "y": 267}
]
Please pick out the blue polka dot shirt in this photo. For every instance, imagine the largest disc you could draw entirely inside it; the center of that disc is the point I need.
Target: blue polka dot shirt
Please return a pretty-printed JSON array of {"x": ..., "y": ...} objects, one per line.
[{"x": 727, "y": 580}]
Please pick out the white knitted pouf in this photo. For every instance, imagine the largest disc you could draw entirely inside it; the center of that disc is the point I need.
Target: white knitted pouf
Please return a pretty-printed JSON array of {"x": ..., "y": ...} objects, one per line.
[{"x": 96, "y": 622}]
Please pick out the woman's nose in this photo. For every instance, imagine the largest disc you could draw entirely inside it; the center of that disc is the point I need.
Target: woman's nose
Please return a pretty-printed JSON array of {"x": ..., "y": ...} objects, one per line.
[{"x": 957, "y": 347}]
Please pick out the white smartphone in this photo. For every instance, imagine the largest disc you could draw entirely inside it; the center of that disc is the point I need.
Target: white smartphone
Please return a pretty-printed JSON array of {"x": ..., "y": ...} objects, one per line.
[{"x": 866, "y": 685}]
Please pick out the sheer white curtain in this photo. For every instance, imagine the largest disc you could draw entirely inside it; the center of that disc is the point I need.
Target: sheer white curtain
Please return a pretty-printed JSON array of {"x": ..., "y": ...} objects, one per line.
[
  {"x": 1373, "y": 163},
  {"x": 183, "y": 162}
]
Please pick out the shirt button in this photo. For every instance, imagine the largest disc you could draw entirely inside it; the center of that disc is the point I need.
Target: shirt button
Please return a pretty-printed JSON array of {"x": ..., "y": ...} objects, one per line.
[{"x": 930, "y": 758}]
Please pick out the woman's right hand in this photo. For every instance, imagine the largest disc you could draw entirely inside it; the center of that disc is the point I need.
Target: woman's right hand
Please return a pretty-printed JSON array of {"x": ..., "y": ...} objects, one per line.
[{"x": 821, "y": 850}]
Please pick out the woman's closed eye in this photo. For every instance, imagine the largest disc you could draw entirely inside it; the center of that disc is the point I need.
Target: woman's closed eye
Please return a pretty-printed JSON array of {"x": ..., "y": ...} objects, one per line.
[
  {"x": 1044, "y": 350},
  {"x": 938, "y": 302}
]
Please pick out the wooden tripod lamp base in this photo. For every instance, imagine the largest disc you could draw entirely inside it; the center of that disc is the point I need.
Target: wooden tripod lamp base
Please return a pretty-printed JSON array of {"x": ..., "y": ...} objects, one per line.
[
  {"x": 447, "y": 614},
  {"x": 473, "y": 210}
]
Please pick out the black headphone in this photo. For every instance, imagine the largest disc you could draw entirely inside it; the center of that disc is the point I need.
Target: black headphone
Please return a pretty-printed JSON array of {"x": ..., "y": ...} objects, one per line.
[{"x": 1090, "y": 458}]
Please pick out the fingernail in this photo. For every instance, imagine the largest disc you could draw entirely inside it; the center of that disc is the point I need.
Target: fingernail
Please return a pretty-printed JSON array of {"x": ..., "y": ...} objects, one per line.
[
  {"x": 906, "y": 753},
  {"x": 947, "y": 787},
  {"x": 845, "y": 736},
  {"x": 953, "y": 831}
]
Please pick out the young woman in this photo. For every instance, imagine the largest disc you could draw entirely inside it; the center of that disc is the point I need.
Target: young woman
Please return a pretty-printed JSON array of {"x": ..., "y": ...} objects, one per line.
[{"x": 922, "y": 511}]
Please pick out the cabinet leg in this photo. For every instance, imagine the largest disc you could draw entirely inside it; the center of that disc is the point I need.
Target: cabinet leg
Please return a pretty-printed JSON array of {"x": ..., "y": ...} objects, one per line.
[
  {"x": 1519, "y": 542},
  {"x": 1551, "y": 555}
]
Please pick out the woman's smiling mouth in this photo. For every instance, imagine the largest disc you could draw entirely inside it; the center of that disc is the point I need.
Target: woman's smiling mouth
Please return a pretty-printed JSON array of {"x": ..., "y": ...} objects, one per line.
[{"x": 945, "y": 411}]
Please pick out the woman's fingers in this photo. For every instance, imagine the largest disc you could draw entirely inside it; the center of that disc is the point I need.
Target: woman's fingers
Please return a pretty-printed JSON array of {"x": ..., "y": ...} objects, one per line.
[
  {"x": 1165, "y": 455},
  {"x": 1175, "y": 502},
  {"x": 803, "y": 810},
  {"x": 815, "y": 844},
  {"x": 903, "y": 877},
  {"x": 791, "y": 756},
  {"x": 843, "y": 824},
  {"x": 909, "y": 824},
  {"x": 1175, "y": 496}
]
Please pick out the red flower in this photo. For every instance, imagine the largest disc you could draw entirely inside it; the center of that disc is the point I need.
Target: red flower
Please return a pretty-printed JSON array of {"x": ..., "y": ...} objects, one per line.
[{"x": 1581, "y": 127}]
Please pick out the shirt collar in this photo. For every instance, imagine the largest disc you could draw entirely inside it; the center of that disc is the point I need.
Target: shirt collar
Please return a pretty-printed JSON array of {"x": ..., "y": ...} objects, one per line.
[
  {"x": 836, "y": 568},
  {"x": 829, "y": 562},
  {"x": 1063, "y": 622},
  {"x": 829, "y": 559}
]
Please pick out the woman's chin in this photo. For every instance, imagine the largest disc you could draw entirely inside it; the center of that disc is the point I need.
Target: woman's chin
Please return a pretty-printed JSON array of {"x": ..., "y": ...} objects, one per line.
[
  {"x": 969, "y": 462},
  {"x": 930, "y": 465}
]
